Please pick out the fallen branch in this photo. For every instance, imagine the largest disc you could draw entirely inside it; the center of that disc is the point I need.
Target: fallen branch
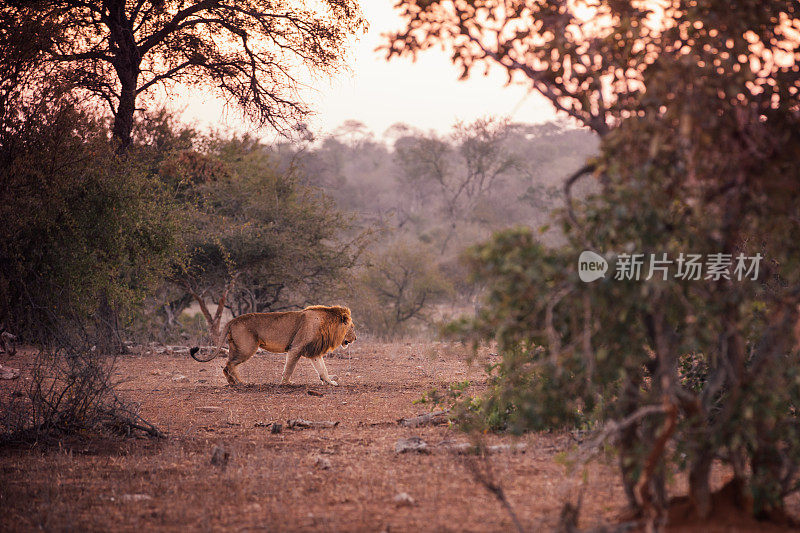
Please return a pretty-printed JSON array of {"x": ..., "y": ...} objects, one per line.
[
  {"x": 124, "y": 417},
  {"x": 434, "y": 418},
  {"x": 125, "y": 421},
  {"x": 7, "y": 372},
  {"x": 305, "y": 424},
  {"x": 468, "y": 447},
  {"x": 411, "y": 444}
]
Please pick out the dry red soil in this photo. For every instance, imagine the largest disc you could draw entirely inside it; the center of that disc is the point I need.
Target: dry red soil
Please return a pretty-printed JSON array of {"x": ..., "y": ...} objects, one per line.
[{"x": 279, "y": 481}]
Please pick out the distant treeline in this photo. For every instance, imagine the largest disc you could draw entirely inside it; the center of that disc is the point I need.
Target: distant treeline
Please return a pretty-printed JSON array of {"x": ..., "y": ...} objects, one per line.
[
  {"x": 123, "y": 245},
  {"x": 430, "y": 196}
]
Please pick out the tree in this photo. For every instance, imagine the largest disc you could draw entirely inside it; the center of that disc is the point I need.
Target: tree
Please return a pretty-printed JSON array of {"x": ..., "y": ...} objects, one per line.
[
  {"x": 697, "y": 106},
  {"x": 80, "y": 227},
  {"x": 461, "y": 179},
  {"x": 248, "y": 51},
  {"x": 401, "y": 285},
  {"x": 354, "y": 133},
  {"x": 258, "y": 240}
]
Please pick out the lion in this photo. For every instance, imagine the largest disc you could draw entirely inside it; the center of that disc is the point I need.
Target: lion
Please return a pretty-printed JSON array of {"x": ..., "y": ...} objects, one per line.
[{"x": 311, "y": 333}]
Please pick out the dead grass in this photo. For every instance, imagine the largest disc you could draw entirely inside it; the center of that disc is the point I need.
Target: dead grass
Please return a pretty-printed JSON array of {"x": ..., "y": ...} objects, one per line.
[{"x": 273, "y": 481}]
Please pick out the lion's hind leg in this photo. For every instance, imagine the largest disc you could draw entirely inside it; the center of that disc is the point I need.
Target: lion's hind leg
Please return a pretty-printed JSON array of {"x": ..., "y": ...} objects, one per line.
[
  {"x": 231, "y": 375},
  {"x": 237, "y": 356}
]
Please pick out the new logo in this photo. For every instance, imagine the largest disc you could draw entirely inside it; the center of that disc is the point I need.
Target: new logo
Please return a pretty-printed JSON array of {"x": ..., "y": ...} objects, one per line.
[{"x": 591, "y": 266}]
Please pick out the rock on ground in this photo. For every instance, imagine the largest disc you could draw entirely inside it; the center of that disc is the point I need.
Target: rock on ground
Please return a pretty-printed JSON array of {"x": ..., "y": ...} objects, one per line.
[{"x": 411, "y": 444}]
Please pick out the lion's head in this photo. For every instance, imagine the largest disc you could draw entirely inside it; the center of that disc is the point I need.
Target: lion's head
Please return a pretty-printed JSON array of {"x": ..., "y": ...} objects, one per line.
[
  {"x": 350, "y": 335},
  {"x": 337, "y": 329}
]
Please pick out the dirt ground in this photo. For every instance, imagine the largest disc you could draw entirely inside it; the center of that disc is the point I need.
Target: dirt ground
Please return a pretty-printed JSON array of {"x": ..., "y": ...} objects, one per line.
[{"x": 345, "y": 478}]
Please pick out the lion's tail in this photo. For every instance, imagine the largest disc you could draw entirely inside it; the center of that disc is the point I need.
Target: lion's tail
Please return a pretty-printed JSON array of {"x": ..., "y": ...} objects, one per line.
[{"x": 222, "y": 338}]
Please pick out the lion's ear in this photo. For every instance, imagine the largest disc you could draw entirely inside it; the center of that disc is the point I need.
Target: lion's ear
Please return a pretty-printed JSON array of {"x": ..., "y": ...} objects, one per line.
[{"x": 344, "y": 313}]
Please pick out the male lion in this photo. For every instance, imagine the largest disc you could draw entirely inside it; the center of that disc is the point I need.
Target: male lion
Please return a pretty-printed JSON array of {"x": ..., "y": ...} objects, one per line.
[{"x": 312, "y": 332}]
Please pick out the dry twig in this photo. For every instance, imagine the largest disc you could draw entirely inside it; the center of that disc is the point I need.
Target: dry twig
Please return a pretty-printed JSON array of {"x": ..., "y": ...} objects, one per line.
[
  {"x": 429, "y": 419},
  {"x": 481, "y": 469}
]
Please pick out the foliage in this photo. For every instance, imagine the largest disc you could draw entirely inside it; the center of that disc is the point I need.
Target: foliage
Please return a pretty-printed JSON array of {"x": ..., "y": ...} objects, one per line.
[
  {"x": 697, "y": 107},
  {"x": 282, "y": 237},
  {"x": 397, "y": 289},
  {"x": 118, "y": 51},
  {"x": 420, "y": 184},
  {"x": 84, "y": 230},
  {"x": 256, "y": 239},
  {"x": 462, "y": 175},
  {"x": 87, "y": 236}
]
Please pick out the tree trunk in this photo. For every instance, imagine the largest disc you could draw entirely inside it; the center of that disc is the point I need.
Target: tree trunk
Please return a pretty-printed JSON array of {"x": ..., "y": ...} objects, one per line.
[
  {"x": 699, "y": 484},
  {"x": 108, "y": 339},
  {"x": 766, "y": 465},
  {"x": 628, "y": 441},
  {"x": 215, "y": 319},
  {"x": 123, "y": 119},
  {"x": 212, "y": 320},
  {"x": 127, "y": 63}
]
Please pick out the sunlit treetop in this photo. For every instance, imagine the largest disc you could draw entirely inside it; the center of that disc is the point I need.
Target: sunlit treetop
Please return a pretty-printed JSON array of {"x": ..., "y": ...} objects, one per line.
[
  {"x": 248, "y": 51},
  {"x": 595, "y": 60}
]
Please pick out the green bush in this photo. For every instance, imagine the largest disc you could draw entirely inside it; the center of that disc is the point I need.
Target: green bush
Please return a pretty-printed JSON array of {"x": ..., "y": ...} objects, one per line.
[{"x": 86, "y": 234}]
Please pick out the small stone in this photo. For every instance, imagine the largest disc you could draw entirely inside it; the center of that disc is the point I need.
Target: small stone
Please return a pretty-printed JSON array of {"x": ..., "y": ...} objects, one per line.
[
  {"x": 276, "y": 428},
  {"x": 220, "y": 456},
  {"x": 6, "y": 372},
  {"x": 135, "y": 497},
  {"x": 180, "y": 378},
  {"x": 404, "y": 500},
  {"x": 323, "y": 463},
  {"x": 411, "y": 444},
  {"x": 208, "y": 408}
]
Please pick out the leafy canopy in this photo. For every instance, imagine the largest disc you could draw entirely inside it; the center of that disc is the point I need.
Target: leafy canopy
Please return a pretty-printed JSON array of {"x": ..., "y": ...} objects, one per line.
[
  {"x": 250, "y": 51},
  {"x": 697, "y": 106}
]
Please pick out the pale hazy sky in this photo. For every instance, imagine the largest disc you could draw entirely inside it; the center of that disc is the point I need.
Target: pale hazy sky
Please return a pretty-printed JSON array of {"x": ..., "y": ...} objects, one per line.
[{"x": 425, "y": 94}]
